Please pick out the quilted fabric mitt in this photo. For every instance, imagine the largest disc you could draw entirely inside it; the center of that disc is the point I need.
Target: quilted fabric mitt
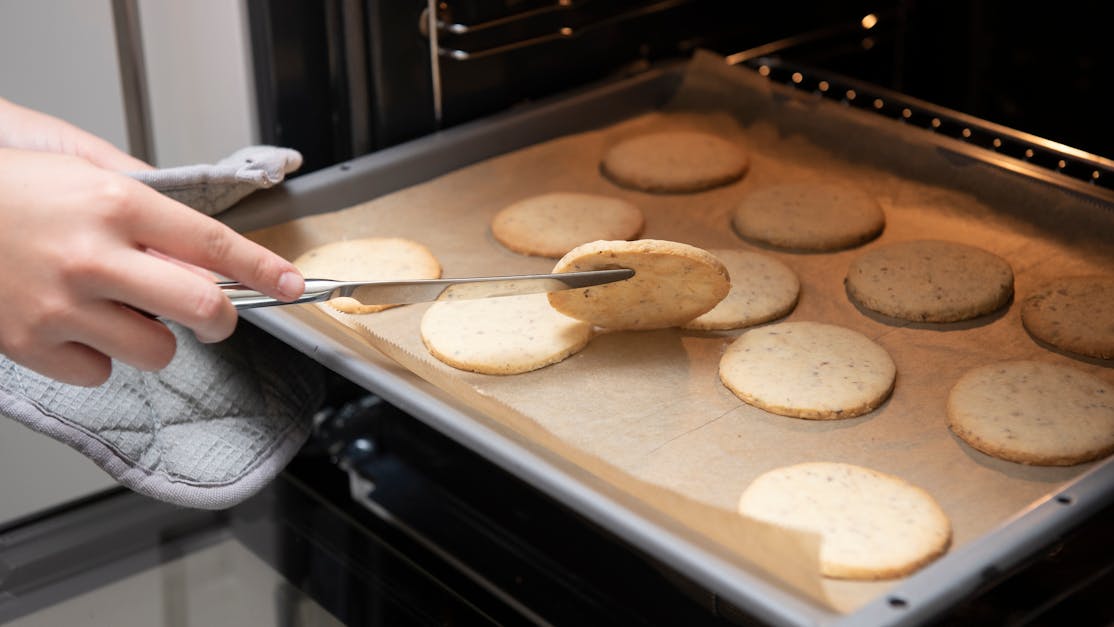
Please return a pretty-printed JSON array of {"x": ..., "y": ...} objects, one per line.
[
  {"x": 213, "y": 188},
  {"x": 208, "y": 431}
]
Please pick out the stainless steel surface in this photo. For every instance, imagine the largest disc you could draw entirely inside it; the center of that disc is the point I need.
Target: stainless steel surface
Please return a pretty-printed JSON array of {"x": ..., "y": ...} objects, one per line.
[
  {"x": 429, "y": 28},
  {"x": 224, "y": 584},
  {"x": 830, "y": 32},
  {"x": 914, "y": 600},
  {"x": 461, "y": 29},
  {"x": 356, "y": 72},
  {"x": 558, "y": 30},
  {"x": 133, "y": 78},
  {"x": 407, "y": 292},
  {"x": 1000, "y": 146}
]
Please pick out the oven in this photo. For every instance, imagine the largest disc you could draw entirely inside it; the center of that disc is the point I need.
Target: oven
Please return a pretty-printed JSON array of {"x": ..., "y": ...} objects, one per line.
[{"x": 409, "y": 505}]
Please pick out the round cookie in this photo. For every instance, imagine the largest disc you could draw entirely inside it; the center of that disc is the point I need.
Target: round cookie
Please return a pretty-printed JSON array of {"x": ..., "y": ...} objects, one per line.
[
  {"x": 368, "y": 259},
  {"x": 808, "y": 370},
  {"x": 1034, "y": 413},
  {"x": 1073, "y": 313},
  {"x": 505, "y": 335},
  {"x": 809, "y": 216},
  {"x": 871, "y": 525},
  {"x": 673, "y": 283},
  {"x": 675, "y": 162},
  {"x": 762, "y": 289},
  {"x": 930, "y": 281},
  {"x": 551, "y": 225}
]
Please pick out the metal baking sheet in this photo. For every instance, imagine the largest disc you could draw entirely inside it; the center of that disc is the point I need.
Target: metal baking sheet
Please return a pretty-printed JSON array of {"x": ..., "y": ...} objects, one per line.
[{"x": 419, "y": 161}]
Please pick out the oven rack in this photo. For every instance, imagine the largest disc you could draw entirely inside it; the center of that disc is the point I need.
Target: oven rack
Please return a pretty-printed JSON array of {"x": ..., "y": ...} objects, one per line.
[
  {"x": 561, "y": 20},
  {"x": 1008, "y": 148}
]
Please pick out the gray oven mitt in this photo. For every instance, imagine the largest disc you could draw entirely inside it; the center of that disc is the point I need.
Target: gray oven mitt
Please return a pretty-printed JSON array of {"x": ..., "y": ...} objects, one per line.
[
  {"x": 208, "y": 431},
  {"x": 213, "y": 188}
]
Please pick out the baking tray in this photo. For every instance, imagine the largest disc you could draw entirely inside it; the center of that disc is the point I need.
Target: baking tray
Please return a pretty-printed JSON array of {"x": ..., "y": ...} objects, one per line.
[{"x": 914, "y": 599}]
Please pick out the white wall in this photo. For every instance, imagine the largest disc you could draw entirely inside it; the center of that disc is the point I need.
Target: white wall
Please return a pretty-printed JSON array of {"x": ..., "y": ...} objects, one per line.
[
  {"x": 199, "y": 79},
  {"x": 59, "y": 56}
]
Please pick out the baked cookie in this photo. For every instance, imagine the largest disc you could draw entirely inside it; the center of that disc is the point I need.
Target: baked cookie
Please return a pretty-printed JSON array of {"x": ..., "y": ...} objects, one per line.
[
  {"x": 673, "y": 283},
  {"x": 808, "y": 370},
  {"x": 762, "y": 289},
  {"x": 1073, "y": 313},
  {"x": 930, "y": 281},
  {"x": 368, "y": 259},
  {"x": 809, "y": 216},
  {"x": 505, "y": 335},
  {"x": 871, "y": 525},
  {"x": 675, "y": 162},
  {"x": 551, "y": 225},
  {"x": 1034, "y": 413}
]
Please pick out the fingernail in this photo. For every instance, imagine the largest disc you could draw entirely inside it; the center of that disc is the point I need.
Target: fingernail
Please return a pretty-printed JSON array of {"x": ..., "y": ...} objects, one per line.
[
  {"x": 291, "y": 285},
  {"x": 206, "y": 336}
]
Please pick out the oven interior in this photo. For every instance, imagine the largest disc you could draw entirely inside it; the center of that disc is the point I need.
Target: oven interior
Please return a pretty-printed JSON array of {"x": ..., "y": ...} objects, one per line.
[
  {"x": 945, "y": 62},
  {"x": 384, "y": 520},
  {"x": 340, "y": 79}
]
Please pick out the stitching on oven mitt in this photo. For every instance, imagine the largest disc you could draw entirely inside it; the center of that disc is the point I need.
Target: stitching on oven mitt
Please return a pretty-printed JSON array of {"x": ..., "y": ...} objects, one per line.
[
  {"x": 208, "y": 431},
  {"x": 213, "y": 188}
]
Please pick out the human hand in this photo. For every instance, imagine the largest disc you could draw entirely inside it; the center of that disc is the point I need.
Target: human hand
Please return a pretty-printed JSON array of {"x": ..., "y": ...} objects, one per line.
[
  {"x": 86, "y": 250},
  {"x": 28, "y": 129}
]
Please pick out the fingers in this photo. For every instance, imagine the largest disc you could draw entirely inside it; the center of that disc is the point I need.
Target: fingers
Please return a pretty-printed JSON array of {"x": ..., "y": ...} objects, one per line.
[
  {"x": 104, "y": 330},
  {"x": 172, "y": 291},
  {"x": 71, "y": 363},
  {"x": 201, "y": 272},
  {"x": 105, "y": 155},
  {"x": 80, "y": 235},
  {"x": 173, "y": 229},
  {"x": 21, "y": 127},
  {"x": 78, "y": 347},
  {"x": 125, "y": 334}
]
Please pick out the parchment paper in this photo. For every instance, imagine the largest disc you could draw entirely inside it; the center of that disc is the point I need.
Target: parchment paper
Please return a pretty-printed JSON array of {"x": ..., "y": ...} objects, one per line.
[{"x": 644, "y": 415}]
